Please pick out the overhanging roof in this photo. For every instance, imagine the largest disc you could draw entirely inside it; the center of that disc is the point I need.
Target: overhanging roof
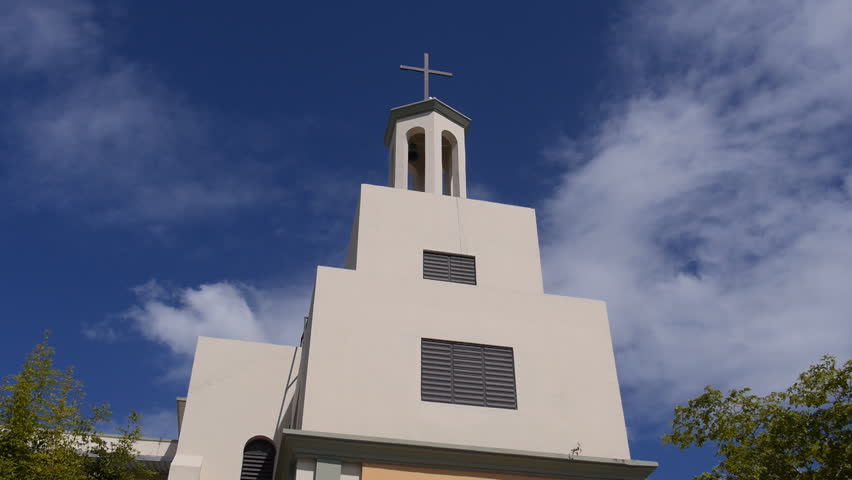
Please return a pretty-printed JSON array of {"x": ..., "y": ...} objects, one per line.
[
  {"x": 425, "y": 106},
  {"x": 358, "y": 449}
]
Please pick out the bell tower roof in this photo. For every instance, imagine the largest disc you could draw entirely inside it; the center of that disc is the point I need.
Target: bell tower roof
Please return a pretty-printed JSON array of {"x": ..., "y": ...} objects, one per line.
[{"x": 424, "y": 106}]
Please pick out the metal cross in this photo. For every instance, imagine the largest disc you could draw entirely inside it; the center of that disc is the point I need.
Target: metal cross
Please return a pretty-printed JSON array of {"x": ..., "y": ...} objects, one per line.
[{"x": 426, "y": 73}]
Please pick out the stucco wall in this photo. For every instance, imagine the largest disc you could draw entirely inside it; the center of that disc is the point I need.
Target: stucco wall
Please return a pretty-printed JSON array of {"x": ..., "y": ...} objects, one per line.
[
  {"x": 395, "y": 226},
  {"x": 236, "y": 393},
  {"x": 363, "y": 367}
]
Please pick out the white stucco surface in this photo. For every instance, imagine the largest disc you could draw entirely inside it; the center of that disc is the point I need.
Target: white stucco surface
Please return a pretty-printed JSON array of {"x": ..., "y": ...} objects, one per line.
[
  {"x": 394, "y": 226},
  {"x": 363, "y": 365},
  {"x": 236, "y": 393}
]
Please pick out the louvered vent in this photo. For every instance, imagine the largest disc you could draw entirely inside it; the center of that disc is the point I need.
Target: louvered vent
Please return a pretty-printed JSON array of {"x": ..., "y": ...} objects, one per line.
[
  {"x": 449, "y": 268},
  {"x": 258, "y": 460},
  {"x": 467, "y": 374}
]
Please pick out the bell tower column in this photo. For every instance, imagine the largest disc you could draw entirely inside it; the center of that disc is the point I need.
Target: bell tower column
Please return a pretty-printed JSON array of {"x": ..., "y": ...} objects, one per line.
[
  {"x": 434, "y": 177},
  {"x": 399, "y": 161},
  {"x": 459, "y": 172}
]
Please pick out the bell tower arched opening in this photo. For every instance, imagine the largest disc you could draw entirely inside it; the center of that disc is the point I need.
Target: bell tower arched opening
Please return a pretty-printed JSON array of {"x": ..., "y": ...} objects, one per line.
[{"x": 416, "y": 138}]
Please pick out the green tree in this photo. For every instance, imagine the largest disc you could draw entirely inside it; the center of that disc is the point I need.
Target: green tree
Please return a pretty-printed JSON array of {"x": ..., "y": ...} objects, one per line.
[
  {"x": 47, "y": 433},
  {"x": 803, "y": 433}
]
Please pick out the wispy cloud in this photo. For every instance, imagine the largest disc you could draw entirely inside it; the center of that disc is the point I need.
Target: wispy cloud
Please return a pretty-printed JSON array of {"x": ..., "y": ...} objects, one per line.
[
  {"x": 98, "y": 134},
  {"x": 480, "y": 191},
  {"x": 159, "y": 423},
  {"x": 38, "y": 35},
  {"x": 711, "y": 205},
  {"x": 175, "y": 317}
]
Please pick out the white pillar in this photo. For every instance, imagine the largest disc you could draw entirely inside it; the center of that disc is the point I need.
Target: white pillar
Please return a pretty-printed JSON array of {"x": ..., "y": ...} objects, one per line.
[
  {"x": 459, "y": 175},
  {"x": 399, "y": 160},
  {"x": 434, "y": 182}
]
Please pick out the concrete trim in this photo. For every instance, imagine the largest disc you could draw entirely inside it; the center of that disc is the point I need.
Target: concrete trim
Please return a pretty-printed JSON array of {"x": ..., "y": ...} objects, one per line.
[
  {"x": 143, "y": 439},
  {"x": 328, "y": 469},
  {"x": 155, "y": 458},
  {"x": 425, "y": 106},
  {"x": 355, "y": 448}
]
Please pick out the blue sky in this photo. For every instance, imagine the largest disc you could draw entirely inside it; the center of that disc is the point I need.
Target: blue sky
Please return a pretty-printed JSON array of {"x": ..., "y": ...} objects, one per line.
[{"x": 168, "y": 170}]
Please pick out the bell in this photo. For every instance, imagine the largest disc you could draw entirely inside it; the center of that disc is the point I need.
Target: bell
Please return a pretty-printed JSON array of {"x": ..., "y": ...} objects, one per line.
[{"x": 412, "y": 153}]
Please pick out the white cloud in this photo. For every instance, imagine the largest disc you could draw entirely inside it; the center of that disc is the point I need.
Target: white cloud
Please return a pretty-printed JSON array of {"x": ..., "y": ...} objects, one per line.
[
  {"x": 480, "y": 191},
  {"x": 46, "y": 34},
  {"x": 176, "y": 317},
  {"x": 159, "y": 423},
  {"x": 98, "y": 134},
  {"x": 712, "y": 209}
]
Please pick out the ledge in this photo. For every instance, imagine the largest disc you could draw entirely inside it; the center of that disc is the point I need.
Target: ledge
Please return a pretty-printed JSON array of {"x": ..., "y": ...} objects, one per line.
[{"x": 359, "y": 449}]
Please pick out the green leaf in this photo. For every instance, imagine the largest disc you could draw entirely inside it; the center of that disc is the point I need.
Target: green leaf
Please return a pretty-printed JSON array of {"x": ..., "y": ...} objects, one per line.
[
  {"x": 803, "y": 433},
  {"x": 48, "y": 433}
]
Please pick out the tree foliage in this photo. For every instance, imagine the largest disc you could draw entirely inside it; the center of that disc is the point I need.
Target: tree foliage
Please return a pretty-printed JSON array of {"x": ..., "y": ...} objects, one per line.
[
  {"x": 47, "y": 433},
  {"x": 803, "y": 433}
]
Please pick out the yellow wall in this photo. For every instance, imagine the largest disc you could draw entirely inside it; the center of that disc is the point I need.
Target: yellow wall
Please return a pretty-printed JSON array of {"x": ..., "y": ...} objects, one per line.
[{"x": 398, "y": 472}]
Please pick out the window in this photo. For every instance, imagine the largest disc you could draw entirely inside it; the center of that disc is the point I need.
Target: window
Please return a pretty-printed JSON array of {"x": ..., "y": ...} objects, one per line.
[
  {"x": 467, "y": 374},
  {"x": 449, "y": 268},
  {"x": 258, "y": 460}
]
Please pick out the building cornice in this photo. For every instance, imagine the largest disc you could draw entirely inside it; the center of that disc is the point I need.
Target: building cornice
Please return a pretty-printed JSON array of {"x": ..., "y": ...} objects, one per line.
[
  {"x": 360, "y": 449},
  {"x": 425, "y": 106}
]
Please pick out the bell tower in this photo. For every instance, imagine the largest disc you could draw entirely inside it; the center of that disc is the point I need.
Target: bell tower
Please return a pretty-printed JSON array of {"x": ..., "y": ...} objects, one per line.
[{"x": 427, "y": 148}]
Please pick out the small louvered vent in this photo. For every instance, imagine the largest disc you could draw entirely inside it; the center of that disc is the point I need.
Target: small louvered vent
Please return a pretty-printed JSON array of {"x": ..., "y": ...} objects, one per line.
[
  {"x": 258, "y": 460},
  {"x": 467, "y": 374},
  {"x": 449, "y": 268}
]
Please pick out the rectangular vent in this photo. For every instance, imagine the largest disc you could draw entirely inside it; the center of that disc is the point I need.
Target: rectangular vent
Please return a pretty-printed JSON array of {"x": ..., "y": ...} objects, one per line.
[
  {"x": 467, "y": 374},
  {"x": 449, "y": 268}
]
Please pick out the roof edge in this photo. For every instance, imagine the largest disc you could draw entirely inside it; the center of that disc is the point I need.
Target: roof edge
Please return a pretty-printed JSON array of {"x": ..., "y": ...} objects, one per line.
[
  {"x": 142, "y": 439},
  {"x": 424, "y": 106}
]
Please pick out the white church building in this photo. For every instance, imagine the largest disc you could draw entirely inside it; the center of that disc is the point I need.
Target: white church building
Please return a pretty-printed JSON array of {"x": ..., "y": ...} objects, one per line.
[{"x": 432, "y": 354}]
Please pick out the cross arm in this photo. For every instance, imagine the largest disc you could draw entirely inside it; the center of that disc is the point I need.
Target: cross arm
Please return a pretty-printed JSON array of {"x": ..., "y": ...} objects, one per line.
[{"x": 433, "y": 72}]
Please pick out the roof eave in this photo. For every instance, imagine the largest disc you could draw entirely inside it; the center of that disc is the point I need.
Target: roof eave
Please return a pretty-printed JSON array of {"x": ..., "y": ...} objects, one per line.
[{"x": 424, "y": 106}]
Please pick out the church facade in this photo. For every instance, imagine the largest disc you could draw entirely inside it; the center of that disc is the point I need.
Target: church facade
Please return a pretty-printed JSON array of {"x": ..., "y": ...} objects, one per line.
[{"x": 433, "y": 354}]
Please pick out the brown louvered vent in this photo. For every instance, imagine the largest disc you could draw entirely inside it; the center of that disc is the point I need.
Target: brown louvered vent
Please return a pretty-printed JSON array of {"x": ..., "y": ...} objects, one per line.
[
  {"x": 448, "y": 267},
  {"x": 258, "y": 460},
  {"x": 467, "y": 374}
]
